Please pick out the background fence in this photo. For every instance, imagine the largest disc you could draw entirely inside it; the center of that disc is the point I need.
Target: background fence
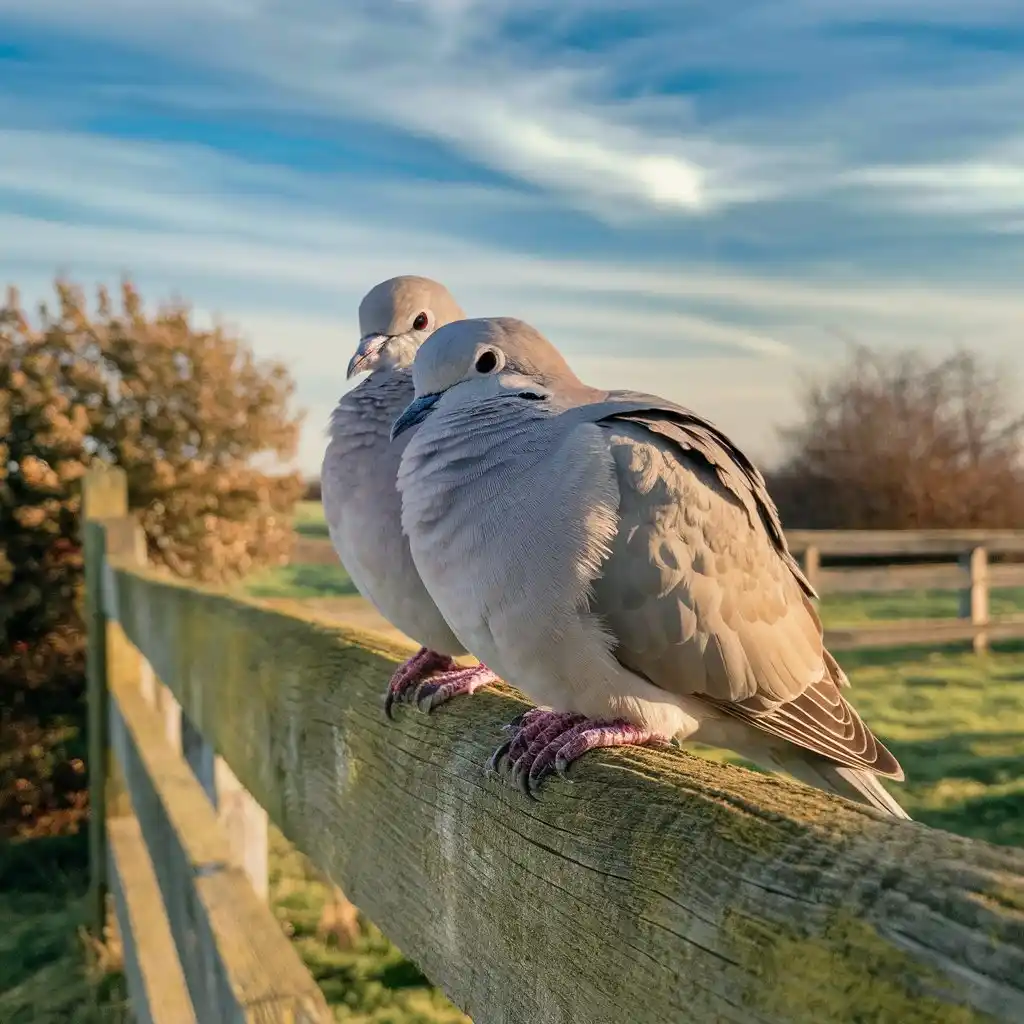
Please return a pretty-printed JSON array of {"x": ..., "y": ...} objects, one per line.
[
  {"x": 657, "y": 887},
  {"x": 971, "y": 562}
]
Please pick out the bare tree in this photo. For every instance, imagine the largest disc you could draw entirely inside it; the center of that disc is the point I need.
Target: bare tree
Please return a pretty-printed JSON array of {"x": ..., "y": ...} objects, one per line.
[{"x": 903, "y": 441}]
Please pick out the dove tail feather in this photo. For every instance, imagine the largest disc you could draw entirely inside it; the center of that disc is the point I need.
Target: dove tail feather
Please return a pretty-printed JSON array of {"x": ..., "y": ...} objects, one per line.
[{"x": 856, "y": 784}]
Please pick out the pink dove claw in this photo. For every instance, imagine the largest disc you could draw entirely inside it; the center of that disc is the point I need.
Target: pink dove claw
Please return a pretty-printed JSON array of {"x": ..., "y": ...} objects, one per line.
[
  {"x": 430, "y": 691},
  {"x": 549, "y": 741},
  {"x": 524, "y": 729},
  {"x": 452, "y": 683},
  {"x": 413, "y": 672}
]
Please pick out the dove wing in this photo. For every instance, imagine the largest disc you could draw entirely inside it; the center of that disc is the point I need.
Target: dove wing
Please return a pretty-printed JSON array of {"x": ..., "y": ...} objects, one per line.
[{"x": 701, "y": 592}]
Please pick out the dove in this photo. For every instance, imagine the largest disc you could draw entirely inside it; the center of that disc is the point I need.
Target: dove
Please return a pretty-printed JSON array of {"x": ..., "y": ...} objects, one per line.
[
  {"x": 361, "y": 504},
  {"x": 618, "y": 559}
]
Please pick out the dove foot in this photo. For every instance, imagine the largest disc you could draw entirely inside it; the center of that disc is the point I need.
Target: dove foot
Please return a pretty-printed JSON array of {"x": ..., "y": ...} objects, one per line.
[
  {"x": 412, "y": 673},
  {"x": 453, "y": 683},
  {"x": 547, "y": 741}
]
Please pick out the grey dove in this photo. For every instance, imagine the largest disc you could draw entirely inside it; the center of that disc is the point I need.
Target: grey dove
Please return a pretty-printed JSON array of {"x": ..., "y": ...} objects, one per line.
[
  {"x": 361, "y": 504},
  {"x": 619, "y": 559}
]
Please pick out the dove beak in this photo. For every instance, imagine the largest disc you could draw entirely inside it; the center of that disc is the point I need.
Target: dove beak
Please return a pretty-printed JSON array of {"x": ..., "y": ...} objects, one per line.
[
  {"x": 415, "y": 412},
  {"x": 367, "y": 354}
]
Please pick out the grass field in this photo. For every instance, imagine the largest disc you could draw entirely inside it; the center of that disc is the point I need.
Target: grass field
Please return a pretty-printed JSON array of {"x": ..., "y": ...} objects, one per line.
[{"x": 309, "y": 520}]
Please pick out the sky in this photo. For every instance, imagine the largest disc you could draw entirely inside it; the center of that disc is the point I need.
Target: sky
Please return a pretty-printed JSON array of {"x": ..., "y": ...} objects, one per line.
[{"x": 698, "y": 204}]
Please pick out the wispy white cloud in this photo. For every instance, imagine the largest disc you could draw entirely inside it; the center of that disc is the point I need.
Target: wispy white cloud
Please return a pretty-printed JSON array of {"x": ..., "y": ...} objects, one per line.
[
  {"x": 992, "y": 185},
  {"x": 848, "y": 100},
  {"x": 444, "y": 70}
]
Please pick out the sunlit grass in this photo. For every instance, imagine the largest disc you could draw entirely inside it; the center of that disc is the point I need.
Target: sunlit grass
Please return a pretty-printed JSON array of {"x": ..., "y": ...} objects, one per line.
[{"x": 856, "y": 609}]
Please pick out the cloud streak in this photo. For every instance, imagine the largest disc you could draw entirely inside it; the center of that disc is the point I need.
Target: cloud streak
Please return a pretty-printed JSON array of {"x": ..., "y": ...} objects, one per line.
[{"x": 456, "y": 73}]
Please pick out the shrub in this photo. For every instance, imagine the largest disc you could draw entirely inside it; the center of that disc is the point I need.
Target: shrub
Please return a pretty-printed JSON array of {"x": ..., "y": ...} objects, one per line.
[{"x": 187, "y": 412}]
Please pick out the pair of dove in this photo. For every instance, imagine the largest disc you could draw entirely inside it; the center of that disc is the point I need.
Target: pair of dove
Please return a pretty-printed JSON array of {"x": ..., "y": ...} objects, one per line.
[{"x": 613, "y": 555}]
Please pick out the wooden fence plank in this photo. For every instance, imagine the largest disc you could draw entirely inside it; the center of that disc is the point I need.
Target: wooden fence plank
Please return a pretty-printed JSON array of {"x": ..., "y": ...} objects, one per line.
[
  {"x": 889, "y": 578},
  {"x": 238, "y": 964},
  {"x": 879, "y": 543},
  {"x": 156, "y": 985},
  {"x": 1005, "y": 575},
  {"x": 915, "y": 632},
  {"x": 652, "y": 887}
]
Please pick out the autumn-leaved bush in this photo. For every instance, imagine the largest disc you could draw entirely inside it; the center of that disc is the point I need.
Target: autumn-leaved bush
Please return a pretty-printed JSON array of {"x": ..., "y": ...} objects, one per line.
[
  {"x": 905, "y": 440},
  {"x": 189, "y": 413}
]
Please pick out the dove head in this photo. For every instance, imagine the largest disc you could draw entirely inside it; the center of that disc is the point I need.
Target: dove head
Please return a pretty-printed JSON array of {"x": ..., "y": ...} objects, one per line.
[
  {"x": 483, "y": 358},
  {"x": 395, "y": 318}
]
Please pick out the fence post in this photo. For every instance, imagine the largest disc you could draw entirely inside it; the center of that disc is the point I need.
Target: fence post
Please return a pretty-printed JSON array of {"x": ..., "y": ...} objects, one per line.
[
  {"x": 812, "y": 565},
  {"x": 104, "y": 498},
  {"x": 974, "y": 598}
]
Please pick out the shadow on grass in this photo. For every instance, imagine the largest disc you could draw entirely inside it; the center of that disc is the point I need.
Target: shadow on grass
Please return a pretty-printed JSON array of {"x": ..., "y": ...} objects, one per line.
[
  {"x": 35, "y": 865},
  {"x": 45, "y": 977},
  {"x": 962, "y": 756},
  {"x": 996, "y": 819},
  {"x": 404, "y": 974},
  {"x": 888, "y": 657}
]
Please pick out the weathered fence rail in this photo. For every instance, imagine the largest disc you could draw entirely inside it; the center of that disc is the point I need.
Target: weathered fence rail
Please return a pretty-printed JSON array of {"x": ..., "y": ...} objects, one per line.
[{"x": 654, "y": 888}]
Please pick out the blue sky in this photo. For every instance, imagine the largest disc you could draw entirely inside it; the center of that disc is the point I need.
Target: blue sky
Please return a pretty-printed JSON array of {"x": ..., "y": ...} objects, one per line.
[{"x": 690, "y": 202}]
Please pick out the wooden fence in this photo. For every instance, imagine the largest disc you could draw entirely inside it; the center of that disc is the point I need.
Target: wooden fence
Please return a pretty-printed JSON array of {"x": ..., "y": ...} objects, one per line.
[
  {"x": 929, "y": 560},
  {"x": 965, "y": 561},
  {"x": 653, "y": 888},
  {"x": 969, "y": 569}
]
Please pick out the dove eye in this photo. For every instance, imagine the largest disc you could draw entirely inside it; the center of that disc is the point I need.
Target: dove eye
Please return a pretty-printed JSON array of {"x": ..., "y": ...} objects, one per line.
[
  {"x": 420, "y": 322},
  {"x": 486, "y": 362}
]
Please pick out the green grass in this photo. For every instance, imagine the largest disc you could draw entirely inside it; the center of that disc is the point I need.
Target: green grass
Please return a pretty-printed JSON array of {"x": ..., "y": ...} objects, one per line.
[
  {"x": 49, "y": 972},
  {"x": 857, "y": 609},
  {"x": 369, "y": 983}
]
